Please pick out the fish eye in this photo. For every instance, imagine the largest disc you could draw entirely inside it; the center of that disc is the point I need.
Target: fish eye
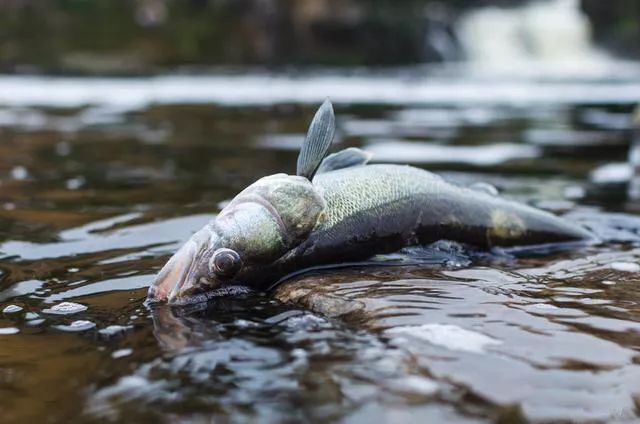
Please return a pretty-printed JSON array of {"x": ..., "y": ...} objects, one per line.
[{"x": 225, "y": 263}]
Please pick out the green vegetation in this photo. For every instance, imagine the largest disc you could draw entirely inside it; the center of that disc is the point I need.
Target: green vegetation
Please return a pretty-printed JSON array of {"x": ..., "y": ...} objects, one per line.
[{"x": 141, "y": 36}]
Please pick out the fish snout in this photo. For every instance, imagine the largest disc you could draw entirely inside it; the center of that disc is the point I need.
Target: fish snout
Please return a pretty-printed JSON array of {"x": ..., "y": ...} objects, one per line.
[{"x": 174, "y": 279}]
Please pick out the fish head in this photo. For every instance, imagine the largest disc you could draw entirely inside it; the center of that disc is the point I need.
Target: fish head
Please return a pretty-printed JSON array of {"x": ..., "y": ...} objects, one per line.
[{"x": 238, "y": 248}]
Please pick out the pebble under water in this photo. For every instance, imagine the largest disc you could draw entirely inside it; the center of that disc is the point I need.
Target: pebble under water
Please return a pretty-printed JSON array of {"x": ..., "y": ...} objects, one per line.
[{"x": 95, "y": 198}]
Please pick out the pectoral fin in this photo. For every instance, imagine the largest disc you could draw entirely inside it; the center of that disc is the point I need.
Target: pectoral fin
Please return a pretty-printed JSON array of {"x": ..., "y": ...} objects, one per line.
[
  {"x": 344, "y": 159},
  {"x": 318, "y": 141}
]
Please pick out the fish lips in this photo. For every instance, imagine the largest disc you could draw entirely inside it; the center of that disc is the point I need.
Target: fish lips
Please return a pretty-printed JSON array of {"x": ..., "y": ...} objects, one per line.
[
  {"x": 173, "y": 281},
  {"x": 184, "y": 273},
  {"x": 184, "y": 278}
]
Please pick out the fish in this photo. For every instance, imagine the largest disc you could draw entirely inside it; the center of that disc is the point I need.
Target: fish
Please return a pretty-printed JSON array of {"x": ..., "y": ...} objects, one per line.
[{"x": 338, "y": 209}]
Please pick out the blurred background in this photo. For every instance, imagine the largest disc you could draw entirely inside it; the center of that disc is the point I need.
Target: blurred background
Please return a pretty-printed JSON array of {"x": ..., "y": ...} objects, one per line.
[
  {"x": 142, "y": 36},
  {"x": 128, "y": 94},
  {"x": 126, "y": 124}
]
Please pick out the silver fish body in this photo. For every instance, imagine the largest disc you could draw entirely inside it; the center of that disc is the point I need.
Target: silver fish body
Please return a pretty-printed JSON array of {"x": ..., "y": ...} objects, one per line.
[
  {"x": 378, "y": 200},
  {"x": 376, "y": 209},
  {"x": 341, "y": 209}
]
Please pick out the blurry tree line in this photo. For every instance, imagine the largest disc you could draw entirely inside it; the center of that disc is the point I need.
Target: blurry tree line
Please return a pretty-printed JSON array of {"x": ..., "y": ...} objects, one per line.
[
  {"x": 131, "y": 36},
  {"x": 616, "y": 25}
]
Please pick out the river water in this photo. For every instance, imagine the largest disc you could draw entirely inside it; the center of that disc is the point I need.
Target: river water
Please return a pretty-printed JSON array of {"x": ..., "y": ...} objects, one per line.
[{"x": 102, "y": 179}]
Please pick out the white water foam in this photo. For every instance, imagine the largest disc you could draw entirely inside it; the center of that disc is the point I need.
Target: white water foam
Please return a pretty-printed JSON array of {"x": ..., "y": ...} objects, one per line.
[
  {"x": 11, "y": 309},
  {"x": 76, "y": 326},
  {"x": 65, "y": 308},
  {"x": 120, "y": 95},
  {"x": 544, "y": 36},
  {"x": 416, "y": 152}
]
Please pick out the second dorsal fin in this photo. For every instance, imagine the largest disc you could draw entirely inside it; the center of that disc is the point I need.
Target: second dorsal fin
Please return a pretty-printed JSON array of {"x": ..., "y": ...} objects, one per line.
[
  {"x": 484, "y": 188},
  {"x": 318, "y": 141},
  {"x": 346, "y": 158}
]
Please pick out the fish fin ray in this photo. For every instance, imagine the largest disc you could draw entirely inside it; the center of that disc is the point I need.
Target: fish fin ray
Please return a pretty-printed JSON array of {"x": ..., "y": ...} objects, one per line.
[
  {"x": 486, "y": 188},
  {"x": 318, "y": 140},
  {"x": 346, "y": 158}
]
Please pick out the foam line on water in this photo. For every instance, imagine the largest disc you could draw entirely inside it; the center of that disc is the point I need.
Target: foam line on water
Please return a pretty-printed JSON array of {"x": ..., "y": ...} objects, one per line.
[{"x": 123, "y": 94}]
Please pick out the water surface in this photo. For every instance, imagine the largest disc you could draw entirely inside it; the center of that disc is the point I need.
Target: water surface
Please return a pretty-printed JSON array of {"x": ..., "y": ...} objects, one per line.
[{"x": 101, "y": 180}]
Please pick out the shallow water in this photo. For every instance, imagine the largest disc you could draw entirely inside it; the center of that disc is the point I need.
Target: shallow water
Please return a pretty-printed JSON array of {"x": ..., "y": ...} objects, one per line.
[{"x": 95, "y": 197}]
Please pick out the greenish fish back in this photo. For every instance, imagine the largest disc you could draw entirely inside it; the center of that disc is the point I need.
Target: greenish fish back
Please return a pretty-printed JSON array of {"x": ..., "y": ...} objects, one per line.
[
  {"x": 346, "y": 158},
  {"x": 378, "y": 200}
]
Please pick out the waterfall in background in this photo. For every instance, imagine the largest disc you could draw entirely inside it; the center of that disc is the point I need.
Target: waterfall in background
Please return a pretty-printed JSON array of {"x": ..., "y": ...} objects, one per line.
[{"x": 551, "y": 34}]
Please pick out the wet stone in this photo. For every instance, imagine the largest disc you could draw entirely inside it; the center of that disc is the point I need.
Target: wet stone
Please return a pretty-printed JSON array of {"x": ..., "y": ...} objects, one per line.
[{"x": 307, "y": 293}]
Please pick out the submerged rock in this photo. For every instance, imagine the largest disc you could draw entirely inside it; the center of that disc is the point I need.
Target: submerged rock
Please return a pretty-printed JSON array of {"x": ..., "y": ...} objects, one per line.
[{"x": 315, "y": 296}]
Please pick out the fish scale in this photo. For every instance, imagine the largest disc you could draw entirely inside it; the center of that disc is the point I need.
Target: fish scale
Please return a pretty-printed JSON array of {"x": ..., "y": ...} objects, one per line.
[
  {"x": 338, "y": 209},
  {"x": 352, "y": 191},
  {"x": 384, "y": 199}
]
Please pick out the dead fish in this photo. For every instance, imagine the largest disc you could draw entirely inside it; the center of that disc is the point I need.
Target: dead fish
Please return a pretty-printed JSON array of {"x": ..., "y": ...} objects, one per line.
[{"x": 340, "y": 209}]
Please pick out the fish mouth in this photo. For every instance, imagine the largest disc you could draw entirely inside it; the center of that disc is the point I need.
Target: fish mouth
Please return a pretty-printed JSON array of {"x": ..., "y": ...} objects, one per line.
[
  {"x": 172, "y": 282},
  {"x": 180, "y": 282},
  {"x": 207, "y": 295}
]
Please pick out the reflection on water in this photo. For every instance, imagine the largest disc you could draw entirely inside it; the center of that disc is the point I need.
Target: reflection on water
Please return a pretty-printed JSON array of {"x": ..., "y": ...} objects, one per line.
[
  {"x": 509, "y": 336},
  {"x": 100, "y": 185}
]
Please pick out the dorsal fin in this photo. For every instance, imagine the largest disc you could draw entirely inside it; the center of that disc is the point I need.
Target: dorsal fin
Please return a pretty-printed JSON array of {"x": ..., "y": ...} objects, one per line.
[
  {"x": 485, "y": 188},
  {"x": 346, "y": 158},
  {"x": 319, "y": 137}
]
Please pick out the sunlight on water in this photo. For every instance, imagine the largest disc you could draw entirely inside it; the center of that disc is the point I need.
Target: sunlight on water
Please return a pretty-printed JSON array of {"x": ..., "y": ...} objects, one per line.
[
  {"x": 419, "y": 86},
  {"x": 416, "y": 152}
]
